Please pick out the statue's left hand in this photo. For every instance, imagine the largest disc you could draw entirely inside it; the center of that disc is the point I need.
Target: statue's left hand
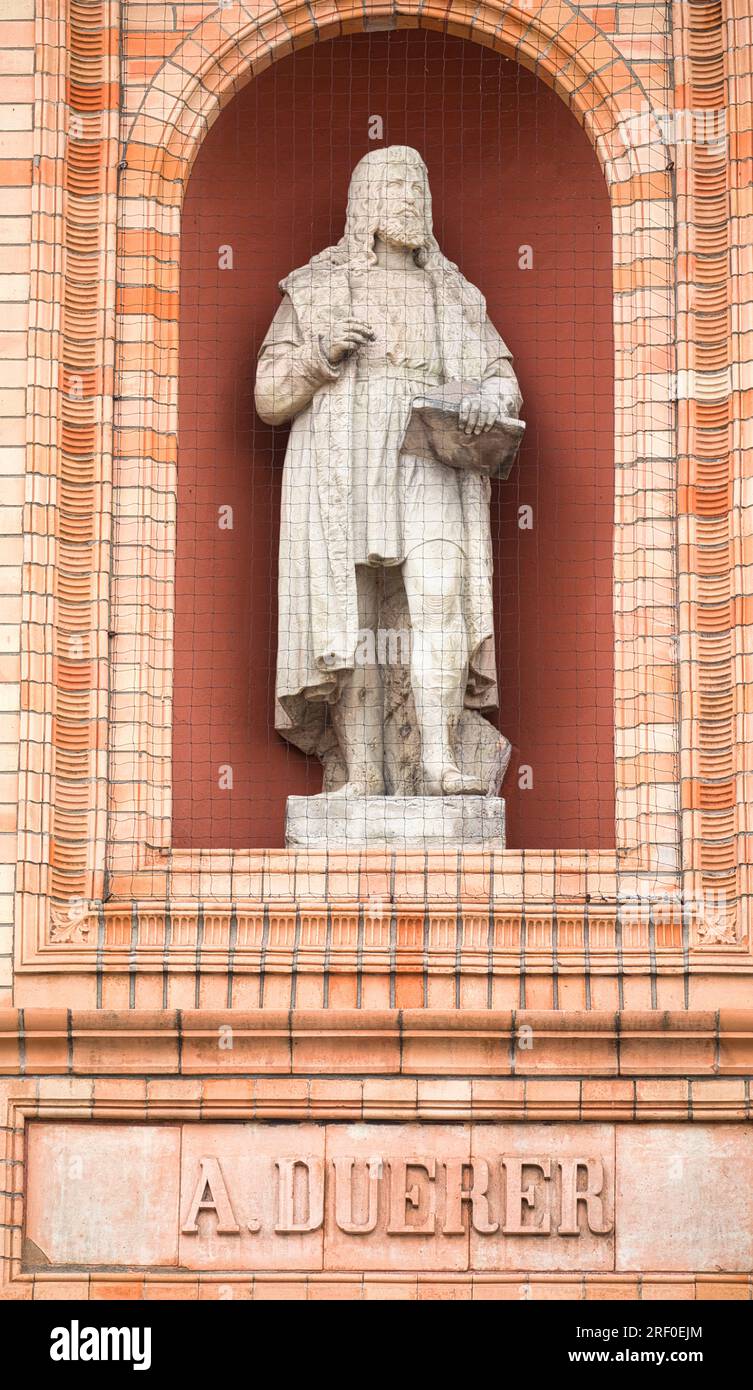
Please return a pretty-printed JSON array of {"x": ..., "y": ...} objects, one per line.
[{"x": 477, "y": 413}]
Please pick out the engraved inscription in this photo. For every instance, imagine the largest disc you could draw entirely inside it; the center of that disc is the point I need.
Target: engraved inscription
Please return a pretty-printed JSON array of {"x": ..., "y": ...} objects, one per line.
[{"x": 522, "y": 1195}]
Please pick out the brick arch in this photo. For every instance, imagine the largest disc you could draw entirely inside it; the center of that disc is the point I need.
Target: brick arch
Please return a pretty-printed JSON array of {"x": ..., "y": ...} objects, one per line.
[
  {"x": 193, "y": 86},
  {"x": 553, "y": 39}
]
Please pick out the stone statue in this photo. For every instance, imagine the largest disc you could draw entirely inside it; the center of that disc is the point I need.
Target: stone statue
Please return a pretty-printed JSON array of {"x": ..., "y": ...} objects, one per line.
[{"x": 385, "y": 664}]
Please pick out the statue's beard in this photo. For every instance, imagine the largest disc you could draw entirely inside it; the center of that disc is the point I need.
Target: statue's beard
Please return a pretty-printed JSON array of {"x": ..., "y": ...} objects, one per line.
[{"x": 403, "y": 229}]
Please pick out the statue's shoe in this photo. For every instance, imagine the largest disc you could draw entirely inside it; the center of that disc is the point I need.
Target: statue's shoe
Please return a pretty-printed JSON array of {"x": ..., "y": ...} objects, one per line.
[
  {"x": 361, "y": 786},
  {"x": 450, "y": 781}
]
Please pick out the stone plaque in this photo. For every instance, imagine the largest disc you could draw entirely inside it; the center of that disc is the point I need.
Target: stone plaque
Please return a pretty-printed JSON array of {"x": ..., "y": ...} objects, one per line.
[{"x": 392, "y": 1197}]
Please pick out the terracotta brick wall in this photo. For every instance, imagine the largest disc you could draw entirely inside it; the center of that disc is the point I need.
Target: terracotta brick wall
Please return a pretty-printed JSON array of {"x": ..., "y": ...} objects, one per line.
[{"x": 397, "y": 989}]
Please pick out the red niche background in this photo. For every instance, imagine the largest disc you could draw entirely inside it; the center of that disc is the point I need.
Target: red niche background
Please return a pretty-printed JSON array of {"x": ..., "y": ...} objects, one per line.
[{"x": 520, "y": 203}]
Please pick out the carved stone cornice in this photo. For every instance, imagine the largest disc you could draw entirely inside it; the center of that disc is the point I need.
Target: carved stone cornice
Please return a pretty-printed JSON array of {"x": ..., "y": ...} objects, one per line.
[{"x": 524, "y": 1046}]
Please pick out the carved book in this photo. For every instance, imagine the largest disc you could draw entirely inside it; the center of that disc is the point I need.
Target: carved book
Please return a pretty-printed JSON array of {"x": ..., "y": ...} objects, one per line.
[{"x": 433, "y": 433}]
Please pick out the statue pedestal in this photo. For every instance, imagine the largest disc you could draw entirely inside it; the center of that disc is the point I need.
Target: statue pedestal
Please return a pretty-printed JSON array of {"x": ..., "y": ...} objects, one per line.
[{"x": 331, "y": 821}]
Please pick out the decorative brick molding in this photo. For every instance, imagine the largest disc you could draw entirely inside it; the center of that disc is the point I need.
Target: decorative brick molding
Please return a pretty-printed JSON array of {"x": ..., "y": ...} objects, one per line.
[
  {"x": 576, "y": 1050},
  {"x": 707, "y": 413},
  {"x": 62, "y": 831},
  {"x": 273, "y": 1287}
]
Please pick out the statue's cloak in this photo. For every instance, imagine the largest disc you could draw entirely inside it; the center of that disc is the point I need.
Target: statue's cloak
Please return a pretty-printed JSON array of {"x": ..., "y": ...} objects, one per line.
[{"x": 318, "y": 606}]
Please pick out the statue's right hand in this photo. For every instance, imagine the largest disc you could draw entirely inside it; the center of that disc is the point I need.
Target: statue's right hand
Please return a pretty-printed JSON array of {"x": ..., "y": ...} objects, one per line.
[{"x": 347, "y": 336}]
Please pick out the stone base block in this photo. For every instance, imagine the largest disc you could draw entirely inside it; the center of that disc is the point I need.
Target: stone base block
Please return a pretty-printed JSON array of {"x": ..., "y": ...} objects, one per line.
[{"x": 331, "y": 821}]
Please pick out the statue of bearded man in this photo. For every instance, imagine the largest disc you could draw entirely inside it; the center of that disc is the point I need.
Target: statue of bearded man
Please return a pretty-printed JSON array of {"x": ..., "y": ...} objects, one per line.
[{"x": 371, "y": 539}]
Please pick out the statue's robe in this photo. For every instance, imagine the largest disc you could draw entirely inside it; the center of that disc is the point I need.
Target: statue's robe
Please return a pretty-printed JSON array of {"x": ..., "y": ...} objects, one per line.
[{"x": 318, "y": 602}]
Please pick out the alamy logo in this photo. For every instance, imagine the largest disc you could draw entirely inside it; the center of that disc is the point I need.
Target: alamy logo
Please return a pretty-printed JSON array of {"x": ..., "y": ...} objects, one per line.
[{"x": 76, "y": 1343}]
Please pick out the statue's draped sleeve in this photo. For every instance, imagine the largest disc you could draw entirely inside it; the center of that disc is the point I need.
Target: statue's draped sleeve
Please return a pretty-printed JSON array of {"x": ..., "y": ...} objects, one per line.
[
  {"x": 290, "y": 369},
  {"x": 499, "y": 377}
]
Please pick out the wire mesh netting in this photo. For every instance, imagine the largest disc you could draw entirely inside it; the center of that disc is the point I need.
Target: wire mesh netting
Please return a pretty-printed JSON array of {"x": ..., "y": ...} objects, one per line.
[{"x": 420, "y": 605}]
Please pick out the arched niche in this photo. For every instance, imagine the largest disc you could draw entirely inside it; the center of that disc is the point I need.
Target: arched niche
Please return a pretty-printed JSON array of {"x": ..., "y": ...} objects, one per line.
[
  {"x": 204, "y": 74},
  {"x": 520, "y": 202}
]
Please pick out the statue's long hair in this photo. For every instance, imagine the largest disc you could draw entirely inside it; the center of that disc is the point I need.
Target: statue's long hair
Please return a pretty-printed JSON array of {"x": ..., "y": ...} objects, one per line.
[{"x": 459, "y": 301}]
